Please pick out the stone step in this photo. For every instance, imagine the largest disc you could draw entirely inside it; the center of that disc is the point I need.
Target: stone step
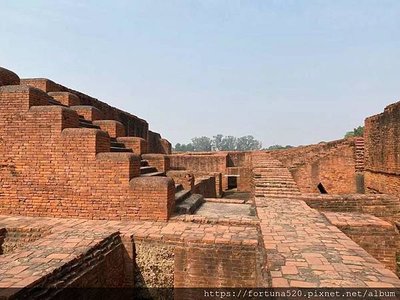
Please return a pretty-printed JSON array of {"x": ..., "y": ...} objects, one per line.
[
  {"x": 147, "y": 169},
  {"x": 119, "y": 149},
  {"x": 278, "y": 192},
  {"x": 178, "y": 187},
  {"x": 144, "y": 163},
  {"x": 87, "y": 124},
  {"x": 190, "y": 204},
  {"x": 277, "y": 195},
  {"x": 116, "y": 144},
  {"x": 55, "y": 102},
  {"x": 153, "y": 174},
  {"x": 277, "y": 184},
  {"x": 181, "y": 196},
  {"x": 276, "y": 189}
]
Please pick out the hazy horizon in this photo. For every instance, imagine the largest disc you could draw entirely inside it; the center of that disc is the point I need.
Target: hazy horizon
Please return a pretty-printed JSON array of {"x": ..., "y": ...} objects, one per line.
[{"x": 287, "y": 72}]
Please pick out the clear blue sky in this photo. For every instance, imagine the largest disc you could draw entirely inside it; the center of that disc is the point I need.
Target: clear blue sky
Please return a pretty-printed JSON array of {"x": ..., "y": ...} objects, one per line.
[{"x": 288, "y": 72}]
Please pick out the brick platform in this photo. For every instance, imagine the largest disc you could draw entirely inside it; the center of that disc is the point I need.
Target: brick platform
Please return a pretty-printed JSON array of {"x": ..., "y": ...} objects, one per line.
[{"x": 71, "y": 242}]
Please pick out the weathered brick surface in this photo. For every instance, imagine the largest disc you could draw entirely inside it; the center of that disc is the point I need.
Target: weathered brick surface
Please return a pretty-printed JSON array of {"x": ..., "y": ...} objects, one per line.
[
  {"x": 333, "y": 164},
  {"x": 160, "y": 161},
  {"x": 154, "y": 197},
  {"x": 89, "y": 113},
  {"x": 65, "y": 98},
  {"x": 113, "y": 128},
  {"x": 186, "y": 178},
  {"x": 50, "y": 167},
  {"x": 201, "y": 163},
  {"x": 152, "y": 251},
  {"x": 383, "y": 206},
  {"x": 377, "y": 237},
  {"x": 205, "y": 186},
  {"x": 382, "y": 165},
  {"x": 166, "y": 146},
  {"x": 156, "y": 144},
  {"x": 134, "y": 126},
  {"x": 138, "y": 145},
  {"x": 225, "y": 266},
  {"x": 8, "y": 78}
]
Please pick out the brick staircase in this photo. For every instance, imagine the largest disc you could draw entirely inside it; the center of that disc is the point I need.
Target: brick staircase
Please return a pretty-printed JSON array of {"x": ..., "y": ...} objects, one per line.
[
  {"x": 185, "y": 201},
  {"x": 359, "y": 145},
  {"x": 148, "y": 171},
  {"x": 87, "y": 168},
  {"x": 272, "y": 179}
]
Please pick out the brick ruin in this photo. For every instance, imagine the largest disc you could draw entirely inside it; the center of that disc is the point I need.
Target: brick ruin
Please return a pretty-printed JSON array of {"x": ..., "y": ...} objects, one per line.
[{"x": 90, "y": 197}]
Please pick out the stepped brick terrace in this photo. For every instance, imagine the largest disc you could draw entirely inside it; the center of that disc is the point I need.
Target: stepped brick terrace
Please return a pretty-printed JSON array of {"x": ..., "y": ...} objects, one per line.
[{"x": 91, "y": 197}]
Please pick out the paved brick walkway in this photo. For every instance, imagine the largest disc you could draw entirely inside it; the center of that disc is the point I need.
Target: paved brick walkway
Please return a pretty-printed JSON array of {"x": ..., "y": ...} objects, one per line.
[{"x": 303, "y": 249}]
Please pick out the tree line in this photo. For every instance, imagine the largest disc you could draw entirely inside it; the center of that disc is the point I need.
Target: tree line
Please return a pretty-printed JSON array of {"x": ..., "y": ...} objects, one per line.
[{"x": 220, "y": 143}]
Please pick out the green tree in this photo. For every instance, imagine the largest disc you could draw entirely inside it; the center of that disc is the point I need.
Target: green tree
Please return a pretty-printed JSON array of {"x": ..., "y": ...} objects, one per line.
[
  {"x": 279, "y": 147},
  {"x": 202, "y": 144},
  {"x": 183, "y": 148},
  {"x": 248, "y": 142},
  {"x": 359, "y": 131},
  {"x": 228, "y": 143},
  {"x": 217, "y": 141}
]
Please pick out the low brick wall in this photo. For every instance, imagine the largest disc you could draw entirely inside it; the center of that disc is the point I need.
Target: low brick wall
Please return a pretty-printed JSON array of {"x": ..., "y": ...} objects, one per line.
[
  {"x": 205, "y": 186},
  {"x": 159, "y": 161},
  {"x": 202, "y": 163},
  {"x": 186, "y": 178},
  {"x": 377, "y": 237},
  {"x": 383, "y": 206}
]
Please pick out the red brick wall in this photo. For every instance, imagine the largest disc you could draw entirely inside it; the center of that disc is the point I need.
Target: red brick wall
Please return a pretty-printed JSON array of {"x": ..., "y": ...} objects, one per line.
[
  {"x": 159, "y": 161},
  {"x": 138, "y": 145},
  {"x": 134, "y": 126},
  {"x": 65, "y": 98},
  {"x": 205, "y": 186},
  {"x": 215, "y": 265},
  {"x": 89, "y": 113},
  {"x": 185, "y": 178},
  {"x": 204, "y": 163},
  {"x": 49, "y": 167},
  {"x": 382, "y": 160},
  {"x": 332, "y": 164},
  {"x": 156, "y": 144},
  {"x": 383, "y": 206},
  {"x": 113, "y": 128},
  {"x": 377, "y": 237}
]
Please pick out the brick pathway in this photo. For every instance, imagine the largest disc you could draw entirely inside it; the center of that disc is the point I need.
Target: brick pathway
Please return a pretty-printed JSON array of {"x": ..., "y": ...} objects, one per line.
[{"x": 302, "y": 248}]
